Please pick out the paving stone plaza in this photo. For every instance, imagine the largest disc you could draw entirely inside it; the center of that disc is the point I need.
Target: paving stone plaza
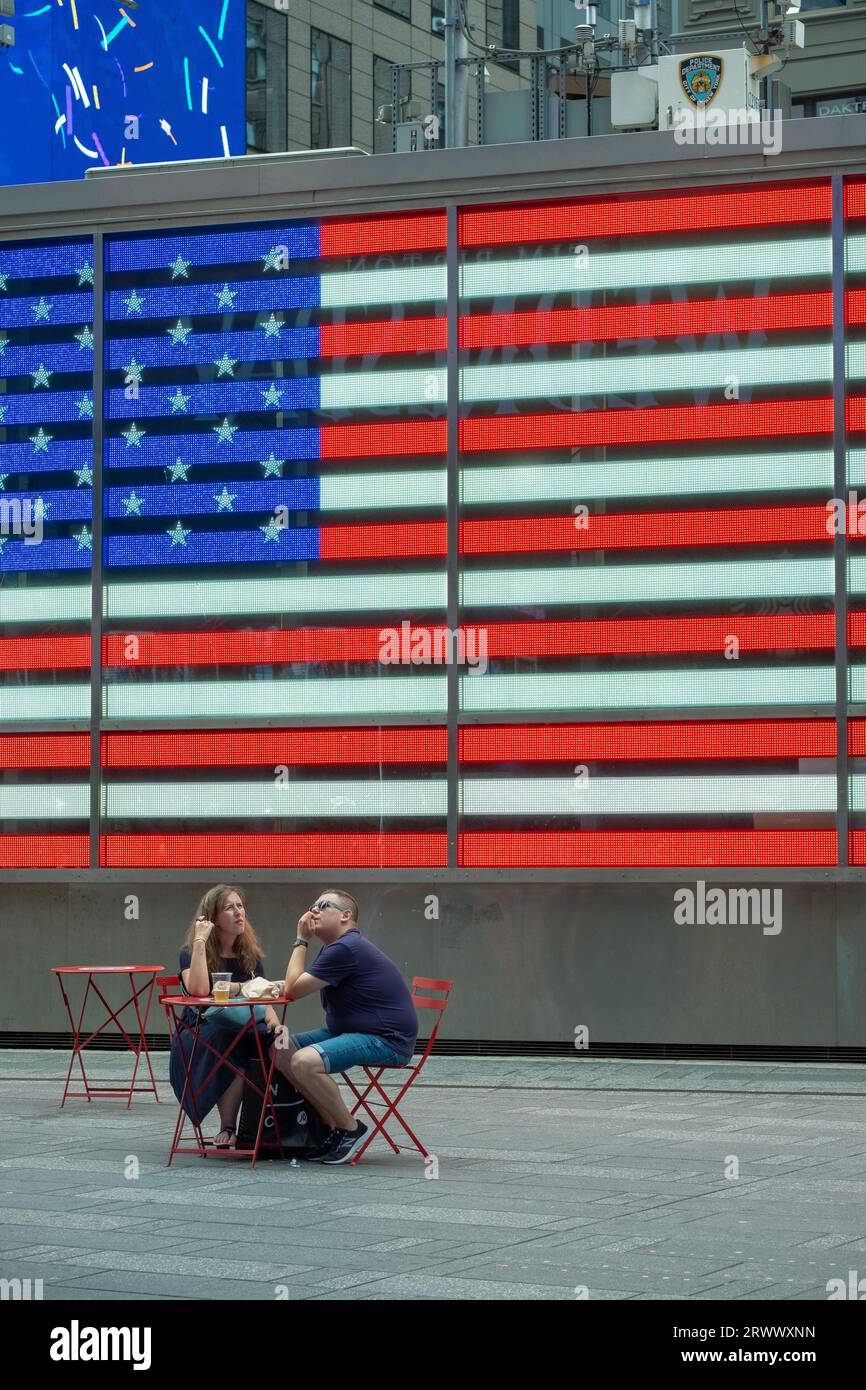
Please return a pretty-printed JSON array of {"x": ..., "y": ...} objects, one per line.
[{"x": 558, "y": 1179}]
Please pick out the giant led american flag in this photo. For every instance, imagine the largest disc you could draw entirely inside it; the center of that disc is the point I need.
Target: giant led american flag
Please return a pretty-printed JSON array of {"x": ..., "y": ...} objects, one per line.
[{"x": 645, "y": 456}]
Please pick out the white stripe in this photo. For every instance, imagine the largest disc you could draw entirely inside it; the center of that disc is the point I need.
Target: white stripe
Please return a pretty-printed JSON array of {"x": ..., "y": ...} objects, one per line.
[
  {"x": 646, "y": 796},
  {"x": 684, "y": 265},
  {"x": 397, "y": 694},
  {"x": 62, "y": 801},
  {"x": 687, "y": 688},
  {"x": 23, "y": 702},
  {"x": 291, "y": 800}
]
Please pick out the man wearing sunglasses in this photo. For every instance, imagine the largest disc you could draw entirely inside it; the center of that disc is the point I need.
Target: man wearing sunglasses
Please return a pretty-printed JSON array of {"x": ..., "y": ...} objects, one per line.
[{"x": 369, "y": 1017}]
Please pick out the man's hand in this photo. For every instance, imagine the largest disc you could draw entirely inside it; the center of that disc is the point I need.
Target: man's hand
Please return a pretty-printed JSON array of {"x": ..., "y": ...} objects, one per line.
[{"x": 305, "y": 926}]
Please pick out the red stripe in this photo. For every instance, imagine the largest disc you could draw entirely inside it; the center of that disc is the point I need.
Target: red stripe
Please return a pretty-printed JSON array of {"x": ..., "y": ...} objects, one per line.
[
  {"x": 275, "y": 747},
  {"x": 367, "y": 236},
  {"x": 700, "y": 317},
  {"x": 341, "y": 851},
  {"x": 384, "y": 441},
  {"x": 855, "y": 413},
  {"x": 652, "y": 424},
  {"x": 647, "y": 848},
  {"x": 44, "y": 851},
  {"x": 665, "y": 739},
  {"x": 766, "y": 206},
  {"x": 855, "y": 198},
  {"x": 592, "y": 636},
  {"x": 41, "y": 752},
  {"x": 773, "y": 313},
  {"x": 45, "y": 653},
  {"x": 389, "y": 541},
  {"x": 663, "y": 636},
  {"x": 382, "y": 336},
  {"x": 645, "y": 530},
  {"x": 857, "y": 838},
  {"x": 857, "y": 738}
]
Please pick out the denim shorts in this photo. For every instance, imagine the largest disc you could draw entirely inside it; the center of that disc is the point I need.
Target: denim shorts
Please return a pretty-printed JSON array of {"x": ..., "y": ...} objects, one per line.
[{"x": 340, "y": 1051}]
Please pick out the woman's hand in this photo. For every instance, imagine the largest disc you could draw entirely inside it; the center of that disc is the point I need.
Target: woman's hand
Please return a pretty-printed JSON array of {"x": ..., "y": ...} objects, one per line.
[
  {"x": 271, "y": 1020},
  {"x": 305, "y": 926},
  {"x": 203, "y": 928}
]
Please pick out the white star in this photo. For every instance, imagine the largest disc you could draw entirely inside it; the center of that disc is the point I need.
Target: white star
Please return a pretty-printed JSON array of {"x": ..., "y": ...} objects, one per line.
[
  {"x": 225, "y": 432},
  {"x": 3, "y": 409},
  {"x": 85, "y": 275},
  {"x": 40, "y": 441},
  {"x": 272, "y": 326},
  {"x": 84, "y": 339},
  {"x": 272, "y": 531},
  {"x": 224, "y": 500},
  {"x": 85, "y": 408},
  {"x": 225, "y": 366},
  {"x": 133, "y": 436},
  {"x": 84, "y": 476},
  {"x": 178, "y": 334},
  {"x": 273, "y": 260},
  {"x": 273, "y": 466},
  {"x": 180, "y": 267},
  {"x": 226, "y": 298},
  {"x": 134, "y": 303},
  {"x": 41, "y": 377},
  {"x": 4, "y": 282},
  {"x": 133, "y": 371},
  {"x": 42, "y": 310},
  {"x": 178, "y": 535},
  {"x": 41, "y": 507},
  {"x": 178, "y": 471},
  {"x": 179, "y": 401},
  {"x": 132, "y": 504},
  {"x": 84, "y": 538},
  {"x": 4, "y": 343},
  {"x": 272, "y": 397},
  {"x": 3, "y": 477}
]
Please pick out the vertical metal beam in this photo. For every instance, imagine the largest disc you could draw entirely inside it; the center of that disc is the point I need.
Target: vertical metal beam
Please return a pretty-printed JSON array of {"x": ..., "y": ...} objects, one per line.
[
  {"x": 563, "y": 99},
  {"x": 453, "y": 525},
  {"x": 480, "y": 98},
  {"x": 840, "y": 539},
  {"x": 96, "y": 562}
]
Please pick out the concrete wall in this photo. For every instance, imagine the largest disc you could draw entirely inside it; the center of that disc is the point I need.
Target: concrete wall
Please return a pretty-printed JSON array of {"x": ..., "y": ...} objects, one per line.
[{"x": 530, "y": 961}]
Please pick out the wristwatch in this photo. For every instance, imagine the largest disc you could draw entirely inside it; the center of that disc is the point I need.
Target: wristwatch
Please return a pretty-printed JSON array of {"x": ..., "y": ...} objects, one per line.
[{"x": 299, "y": 941}]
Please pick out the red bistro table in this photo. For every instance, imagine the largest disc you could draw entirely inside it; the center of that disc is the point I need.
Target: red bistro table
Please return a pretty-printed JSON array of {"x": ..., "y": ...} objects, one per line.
[
  {"x": 146, "y": 987},
  {"x": 174, "y": 1006}
]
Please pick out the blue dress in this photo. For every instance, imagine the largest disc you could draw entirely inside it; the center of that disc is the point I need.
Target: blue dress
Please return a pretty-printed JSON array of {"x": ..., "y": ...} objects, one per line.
[{"x": 219, "y": 1036}]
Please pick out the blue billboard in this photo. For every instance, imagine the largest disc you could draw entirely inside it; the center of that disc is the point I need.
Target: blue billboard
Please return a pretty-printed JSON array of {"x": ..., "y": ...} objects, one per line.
[{"x": 90, "y": 83}]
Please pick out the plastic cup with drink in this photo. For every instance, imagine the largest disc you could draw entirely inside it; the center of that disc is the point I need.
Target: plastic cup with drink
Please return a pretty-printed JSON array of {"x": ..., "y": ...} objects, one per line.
[{"x": 221, "y": 981}]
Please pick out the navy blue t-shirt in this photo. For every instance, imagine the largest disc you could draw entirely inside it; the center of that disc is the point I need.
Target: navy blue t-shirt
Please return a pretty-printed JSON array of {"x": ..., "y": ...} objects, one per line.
[
  {"x": 227, "y": 964},
  {"x": 365, "y": 992}
]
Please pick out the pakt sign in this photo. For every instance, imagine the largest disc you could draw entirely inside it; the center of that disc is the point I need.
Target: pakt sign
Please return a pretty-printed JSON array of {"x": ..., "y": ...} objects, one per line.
[{"x": 77, "y": 1343}]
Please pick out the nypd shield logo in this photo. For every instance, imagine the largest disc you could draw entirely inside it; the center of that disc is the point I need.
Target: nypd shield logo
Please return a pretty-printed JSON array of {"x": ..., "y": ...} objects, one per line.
[{"x": 700, "y": 77}]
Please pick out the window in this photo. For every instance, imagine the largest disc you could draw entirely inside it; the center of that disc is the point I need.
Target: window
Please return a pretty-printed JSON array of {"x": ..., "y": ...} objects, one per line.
[
  {"x": 402, "y": 8},
  {"x": 383, "y": 95},
  {"x": 503, "y": 28},
  {"x": 267, "y": 64},
  {"x": 330, "y": 91}
]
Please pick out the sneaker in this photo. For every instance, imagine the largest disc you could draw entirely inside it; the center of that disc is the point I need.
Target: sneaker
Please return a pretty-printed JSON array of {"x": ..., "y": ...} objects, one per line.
[
  {"x": 348, "y": 1143},
  {"x": 318, "y": 1153}
]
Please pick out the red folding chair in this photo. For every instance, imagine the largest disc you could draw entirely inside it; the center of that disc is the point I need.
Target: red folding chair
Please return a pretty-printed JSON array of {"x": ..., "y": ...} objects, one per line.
[{"x": 388, "y": 1104}]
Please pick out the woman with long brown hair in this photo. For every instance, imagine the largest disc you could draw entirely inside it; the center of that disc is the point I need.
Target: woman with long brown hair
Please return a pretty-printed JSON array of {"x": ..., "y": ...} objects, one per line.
[{"x": 221, "y": 938}]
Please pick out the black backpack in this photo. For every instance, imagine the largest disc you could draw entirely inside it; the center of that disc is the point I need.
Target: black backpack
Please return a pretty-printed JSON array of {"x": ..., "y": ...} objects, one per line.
[{"x": 301, "y": 1127}]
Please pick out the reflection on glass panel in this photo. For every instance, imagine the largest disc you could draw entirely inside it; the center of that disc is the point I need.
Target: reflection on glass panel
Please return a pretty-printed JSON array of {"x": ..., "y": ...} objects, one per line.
[
  {"x": 46, "y": 481},
  {"x": 330, "y": 91},
  {"x": 267, "y": 59},
  {"x": 275, "y": 543},
  {"x": 383, "y": 95},
  {"x": 646, "y": 455},
  {"x": 403, "y": 8}
]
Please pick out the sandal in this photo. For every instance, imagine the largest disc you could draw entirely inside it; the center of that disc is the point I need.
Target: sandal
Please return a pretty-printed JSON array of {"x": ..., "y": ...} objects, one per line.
[{"x": 226, "y": 1129}]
